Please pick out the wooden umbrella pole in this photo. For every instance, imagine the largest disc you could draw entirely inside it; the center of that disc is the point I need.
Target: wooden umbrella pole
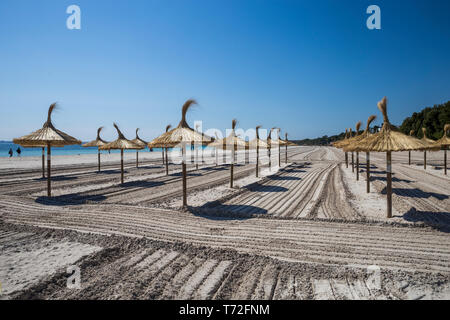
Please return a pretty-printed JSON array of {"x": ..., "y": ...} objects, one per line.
[
  {"x": 257, "y": 158},
  {"x": 98, "y": 160},
  {"x": 162, "y": 153},
  {"x": 346, "y": 159},
  {"x": 425, "y": 160},
  {"x": 232, "y": 168},
  {"x": 137, "y": 159},
  {"x": 167, "y": 163},
  {"x": 353, "y": 164},
  {"x": 121, "y": 166},
  {"x": 196, "y": 157},
  {"x": 409, "y": 157},
  {"x": 368, "y": 171},
  {"x": 286, "y": 158},
  {"x": 389, "y": 184},
  {"x": 279, "y": 155},
  {"x": 184, "y": 175},
  {"x": 49, "y": 157},
  {"x": 357, "y": 166},
  {"x": 270, "y": 161},
  {"x": 43, "y": 162}
]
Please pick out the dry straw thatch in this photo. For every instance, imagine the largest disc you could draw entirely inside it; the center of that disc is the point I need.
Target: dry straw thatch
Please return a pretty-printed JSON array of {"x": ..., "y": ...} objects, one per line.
[
  {"x": 164, "y": 150},
  {"x": 98, "y": 142},
  {"x": 138, "y": 140},
  {"x": 389, "y": 139},
  {"x": 48, "y": 136},
  {"x": 443, "y": 143},
  {"x": 141, "y": 143},
  {"x": 230, "y": 142},
  {"x": 256, "y": 144},
  {"x": 181, "y": 134},
  {"x": 354, "y": 140},
  {"x": 121, "y": 143},
  {"x": 349, "y": 145},
  {"x": 233, "y": 143}
]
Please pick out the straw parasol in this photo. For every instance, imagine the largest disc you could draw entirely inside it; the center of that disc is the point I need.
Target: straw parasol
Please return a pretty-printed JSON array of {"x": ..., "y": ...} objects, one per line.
[
  {"x": 286, "y": 143},
  {"x": 196, "y": 150},
  {"x": 165, "y": 150},
  {"x": 121, "y": 143},
  {"x": 338, "y": 144},
  {"x": 349, "y": 147},
  {"x": 277, "y": 142},
  {"x": 256, "y": 144},
  {"x": 427, "y": 141},
  {"x": 411, "y": 132},
  {"x": 231, "y": 142},
  {"x": 141, "y": 143},
  {"x": 181, "y": 135},
  {"x": 50, "y": 137},
  {"x": 388, "y": 139},
  {"x": 98, "y": 142},
  {"x": 443, "y": 143}
]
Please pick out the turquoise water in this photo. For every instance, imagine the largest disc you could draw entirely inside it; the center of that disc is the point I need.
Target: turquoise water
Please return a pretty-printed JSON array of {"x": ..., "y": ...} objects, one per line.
[{"x": 67, "y": 150}]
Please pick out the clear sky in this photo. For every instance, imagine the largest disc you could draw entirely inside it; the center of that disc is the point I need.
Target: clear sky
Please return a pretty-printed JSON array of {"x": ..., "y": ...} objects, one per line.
[{"x": 309, "y": 67}]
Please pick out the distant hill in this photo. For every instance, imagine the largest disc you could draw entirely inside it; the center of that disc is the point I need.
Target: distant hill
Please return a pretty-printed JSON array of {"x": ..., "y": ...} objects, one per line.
[{"x": 432, "y": 118}]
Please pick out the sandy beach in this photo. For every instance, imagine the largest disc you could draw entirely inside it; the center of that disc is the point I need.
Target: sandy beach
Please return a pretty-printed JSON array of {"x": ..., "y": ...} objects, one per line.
[{"x": 256, "y": 240}]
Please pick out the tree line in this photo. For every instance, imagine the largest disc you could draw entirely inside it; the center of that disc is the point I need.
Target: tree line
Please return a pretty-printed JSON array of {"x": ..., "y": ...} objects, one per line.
[{"x": 432, "y": 118}]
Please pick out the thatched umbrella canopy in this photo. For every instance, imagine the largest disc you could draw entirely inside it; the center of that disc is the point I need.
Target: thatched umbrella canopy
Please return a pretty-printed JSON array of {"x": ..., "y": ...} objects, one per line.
[
  {"x": 141, "y": 143},
  {"x": 277, "y": 143},
  {"x": 428, "y": 142},
  {"x": 50, "y": 137},
  {"x": 180, "y": 136},
  {"x": 338, "y": 144},
  {"x": 388, "y": 139},
  {"x": 270, "y": 142},
  {"x": 256, "y": 144},
  {"x": 360, "y": 137},
  {"x": 165, "y": 152},
  {"x": 121, "y": 143},
  {"x": 232, "y": 142},
  {"x": 443, "y": 143},
  {"x": 98, "y": 142}
]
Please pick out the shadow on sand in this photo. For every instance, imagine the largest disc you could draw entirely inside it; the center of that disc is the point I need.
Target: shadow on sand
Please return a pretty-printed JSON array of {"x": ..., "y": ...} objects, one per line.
[
  {"x": 216, "y": 210},
  {"x": 93, "y": 196},
  {"x": 57, "y": 178},
  {"x": 274, "y": 177},
  {"x": 436, "y": 220},
  {"x": 416, "y": 193}
]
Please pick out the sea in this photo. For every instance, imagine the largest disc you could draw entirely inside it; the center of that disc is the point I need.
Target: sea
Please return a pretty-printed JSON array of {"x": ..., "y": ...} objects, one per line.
[{"x": 66, "y": 150}]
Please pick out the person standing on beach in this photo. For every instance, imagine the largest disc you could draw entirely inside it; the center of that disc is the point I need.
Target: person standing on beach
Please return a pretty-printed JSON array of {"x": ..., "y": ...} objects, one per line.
[
  {"x": 18, "y": 151},
  {"x": 10, "y": 152}
]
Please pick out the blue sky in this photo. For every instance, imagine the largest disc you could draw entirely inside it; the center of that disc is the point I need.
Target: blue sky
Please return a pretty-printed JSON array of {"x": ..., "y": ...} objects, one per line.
[{"x": 309, "y": 67}]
